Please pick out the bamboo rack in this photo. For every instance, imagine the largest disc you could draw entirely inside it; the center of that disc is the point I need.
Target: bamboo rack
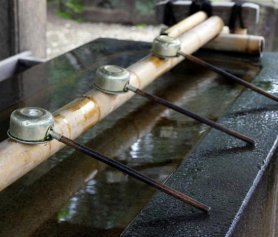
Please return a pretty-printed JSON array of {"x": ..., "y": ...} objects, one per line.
[
  {"x": 240, "y": 43},
  {"x": 81, "y": 114}
]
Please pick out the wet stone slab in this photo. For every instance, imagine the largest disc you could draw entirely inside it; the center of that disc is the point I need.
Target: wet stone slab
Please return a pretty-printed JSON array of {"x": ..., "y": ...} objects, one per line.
[{"x": 221, "y": 171}]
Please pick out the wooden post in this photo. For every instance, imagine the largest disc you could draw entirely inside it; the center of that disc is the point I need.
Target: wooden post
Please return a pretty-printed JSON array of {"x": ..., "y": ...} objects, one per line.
[{"x": 22, "y": 27}]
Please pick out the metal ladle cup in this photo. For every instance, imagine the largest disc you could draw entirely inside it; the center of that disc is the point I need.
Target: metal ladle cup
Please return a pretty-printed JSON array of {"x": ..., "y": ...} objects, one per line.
[{"x": 30, "y": 125}]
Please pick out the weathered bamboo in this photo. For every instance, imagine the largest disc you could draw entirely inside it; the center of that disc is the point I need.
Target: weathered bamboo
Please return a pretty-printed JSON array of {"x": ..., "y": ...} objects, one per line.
[
  {"x": 249, "y": 44},
  {"x": 241, "y": 43},
  {"x": 240, "y": 31},
  {"x": 186, "y": 24},
  {"x": 82, "y": 113}
]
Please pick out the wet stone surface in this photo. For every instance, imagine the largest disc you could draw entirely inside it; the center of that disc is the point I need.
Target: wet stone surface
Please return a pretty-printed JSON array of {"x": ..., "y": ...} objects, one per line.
[{"x": 220, "y": 171}]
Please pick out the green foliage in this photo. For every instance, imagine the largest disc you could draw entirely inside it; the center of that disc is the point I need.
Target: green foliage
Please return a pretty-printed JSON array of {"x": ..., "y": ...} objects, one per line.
[
  {"x": 65, "y": 15},
  {"x": 69, "y": 8},
  {"x": 73, "y": 9},
  {"x": 75, "y": 6},
  {"x": 145, "y": 7},
  {"x": 141, "y": 26}
]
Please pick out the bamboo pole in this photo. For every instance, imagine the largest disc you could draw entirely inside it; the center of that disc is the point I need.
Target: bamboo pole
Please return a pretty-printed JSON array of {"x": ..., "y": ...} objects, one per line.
[
  {"x": 78, "y": 116},
  {"x": 250, "y": 44},
  {"x": 186, "y": 24},
  {"x": 240, "y": 43}
]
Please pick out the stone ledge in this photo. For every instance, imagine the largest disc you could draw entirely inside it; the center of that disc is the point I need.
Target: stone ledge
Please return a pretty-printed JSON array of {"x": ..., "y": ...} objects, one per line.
[{"x": 221, "y": 171}]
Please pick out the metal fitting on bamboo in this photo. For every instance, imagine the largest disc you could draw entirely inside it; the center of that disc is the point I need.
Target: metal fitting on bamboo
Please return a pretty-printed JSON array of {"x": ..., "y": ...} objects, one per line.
[
  {"x": 165, "y": 46},
  {"x": 249, "y": 44},
  {"x": 78, "y": 116}
]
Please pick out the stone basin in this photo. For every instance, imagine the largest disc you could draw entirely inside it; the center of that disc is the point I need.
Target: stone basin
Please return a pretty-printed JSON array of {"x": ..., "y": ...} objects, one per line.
[{"x": 72, "y": 195}]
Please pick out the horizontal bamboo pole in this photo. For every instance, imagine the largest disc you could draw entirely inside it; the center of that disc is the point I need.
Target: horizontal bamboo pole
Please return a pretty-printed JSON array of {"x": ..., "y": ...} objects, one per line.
[
  {"x": 78, "y": 116},
  {"x": 186, "y": 24},
  {"x": 249, "y": 44},
  {"x": 240, "y": 43}
]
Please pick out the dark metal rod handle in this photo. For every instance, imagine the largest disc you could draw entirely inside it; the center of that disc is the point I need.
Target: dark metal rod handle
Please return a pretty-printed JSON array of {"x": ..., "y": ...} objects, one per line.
[
  {"x": 190, "y": 114},
  {"x": 131, "y": 172},
  {"x": 228, "y": 75}
]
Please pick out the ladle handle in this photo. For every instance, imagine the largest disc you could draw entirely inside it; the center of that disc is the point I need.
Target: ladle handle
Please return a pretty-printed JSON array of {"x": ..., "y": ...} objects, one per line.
[
  {"x": 190, "y": 114},
  {"x": 131, "y": 172},
  {"x": 229, "y": 76}
]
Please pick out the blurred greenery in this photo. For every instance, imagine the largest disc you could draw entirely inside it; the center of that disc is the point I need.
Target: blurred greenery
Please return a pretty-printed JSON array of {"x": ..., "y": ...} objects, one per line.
[
  {"x": 68, "y": 8},
  {"x": 73, "y": 9},
  {"x": 74, "y": 5},
  {"x": 141, "y": 26},
  {"x": 145, "y": 7}
]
